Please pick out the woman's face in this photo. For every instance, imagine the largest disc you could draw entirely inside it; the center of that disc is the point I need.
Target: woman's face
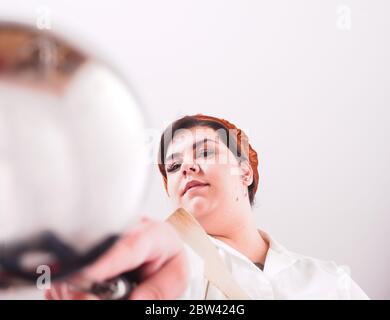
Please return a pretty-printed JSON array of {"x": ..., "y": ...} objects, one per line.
[{"x": 203, "y": 175}]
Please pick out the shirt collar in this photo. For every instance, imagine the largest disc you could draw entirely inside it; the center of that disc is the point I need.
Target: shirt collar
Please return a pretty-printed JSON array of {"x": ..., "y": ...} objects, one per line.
[{"x": 277, "y": 258}]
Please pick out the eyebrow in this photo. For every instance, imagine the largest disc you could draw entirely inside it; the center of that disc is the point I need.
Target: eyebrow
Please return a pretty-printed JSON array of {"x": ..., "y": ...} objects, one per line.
[{"x": 194, "y": 146}]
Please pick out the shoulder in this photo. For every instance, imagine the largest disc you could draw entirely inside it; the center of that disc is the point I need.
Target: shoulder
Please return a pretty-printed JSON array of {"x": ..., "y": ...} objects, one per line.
[
  {"x": 329, "y": 266},
  {"x": 306, "y": 276},
  {"x": 290, "y": 258},
  {"x": 322, "y": 278}
]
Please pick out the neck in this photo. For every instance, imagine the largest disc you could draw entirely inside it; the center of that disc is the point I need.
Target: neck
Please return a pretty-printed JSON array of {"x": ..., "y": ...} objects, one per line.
[{"x": 245, "y": 238}]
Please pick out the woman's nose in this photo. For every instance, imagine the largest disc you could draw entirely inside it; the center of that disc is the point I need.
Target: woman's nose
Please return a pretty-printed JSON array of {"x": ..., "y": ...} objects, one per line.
[{"x": 189, "y": 167}]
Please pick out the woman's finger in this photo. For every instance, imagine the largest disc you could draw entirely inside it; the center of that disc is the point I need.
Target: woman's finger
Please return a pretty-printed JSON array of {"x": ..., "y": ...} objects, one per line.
[
  {"x": 66, "y": 291},
  {"x": 169, "y": 282},
  {"x": 152, "y": 248},
  {"x": 148, "y": 242}
]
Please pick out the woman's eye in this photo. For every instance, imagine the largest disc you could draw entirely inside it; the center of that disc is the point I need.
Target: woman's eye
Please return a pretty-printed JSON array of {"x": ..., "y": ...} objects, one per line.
[
  {"x": 205, "y": 153},
  {"x": 173, "y": 167}
]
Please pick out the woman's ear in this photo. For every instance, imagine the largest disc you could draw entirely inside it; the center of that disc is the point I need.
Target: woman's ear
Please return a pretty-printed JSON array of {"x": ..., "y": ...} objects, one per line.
[{"x": 246, "y": 173}]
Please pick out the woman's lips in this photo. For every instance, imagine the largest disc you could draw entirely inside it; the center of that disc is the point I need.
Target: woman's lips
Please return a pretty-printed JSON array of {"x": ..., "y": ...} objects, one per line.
[
  {"x": 194, "y": 184},
  {"x": 196, "y": 187}
]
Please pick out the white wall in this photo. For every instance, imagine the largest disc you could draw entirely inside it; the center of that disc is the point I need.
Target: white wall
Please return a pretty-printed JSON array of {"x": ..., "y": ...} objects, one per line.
[{"x": 313, "y": 97}]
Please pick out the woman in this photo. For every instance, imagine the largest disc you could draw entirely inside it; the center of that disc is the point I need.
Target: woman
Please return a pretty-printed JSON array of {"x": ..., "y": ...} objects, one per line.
[{"x": 210, "y": 169}]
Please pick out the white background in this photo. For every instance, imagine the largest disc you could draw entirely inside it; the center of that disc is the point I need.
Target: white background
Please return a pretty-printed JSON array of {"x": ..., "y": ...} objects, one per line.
[{"x": 313, "y": 98}]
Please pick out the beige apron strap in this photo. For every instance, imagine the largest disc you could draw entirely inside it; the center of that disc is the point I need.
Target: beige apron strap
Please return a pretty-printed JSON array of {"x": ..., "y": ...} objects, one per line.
[{"x": 216, "y": 271}]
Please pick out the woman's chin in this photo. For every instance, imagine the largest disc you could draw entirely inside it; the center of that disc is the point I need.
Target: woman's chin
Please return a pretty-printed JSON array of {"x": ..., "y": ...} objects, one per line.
[{"x": 198, "y": 206}]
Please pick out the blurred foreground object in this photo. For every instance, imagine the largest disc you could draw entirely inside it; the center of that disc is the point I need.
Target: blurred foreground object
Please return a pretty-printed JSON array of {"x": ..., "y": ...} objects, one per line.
[{"x": 73, "y": 164}]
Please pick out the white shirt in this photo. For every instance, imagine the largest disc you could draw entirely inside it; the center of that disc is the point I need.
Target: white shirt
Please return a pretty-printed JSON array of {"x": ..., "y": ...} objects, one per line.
[{"x": 286, "y": 275}]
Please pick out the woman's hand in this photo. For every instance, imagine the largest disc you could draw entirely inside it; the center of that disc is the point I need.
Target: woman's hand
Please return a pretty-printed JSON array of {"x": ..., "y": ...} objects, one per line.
[{"x": 152, "y": 248}]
